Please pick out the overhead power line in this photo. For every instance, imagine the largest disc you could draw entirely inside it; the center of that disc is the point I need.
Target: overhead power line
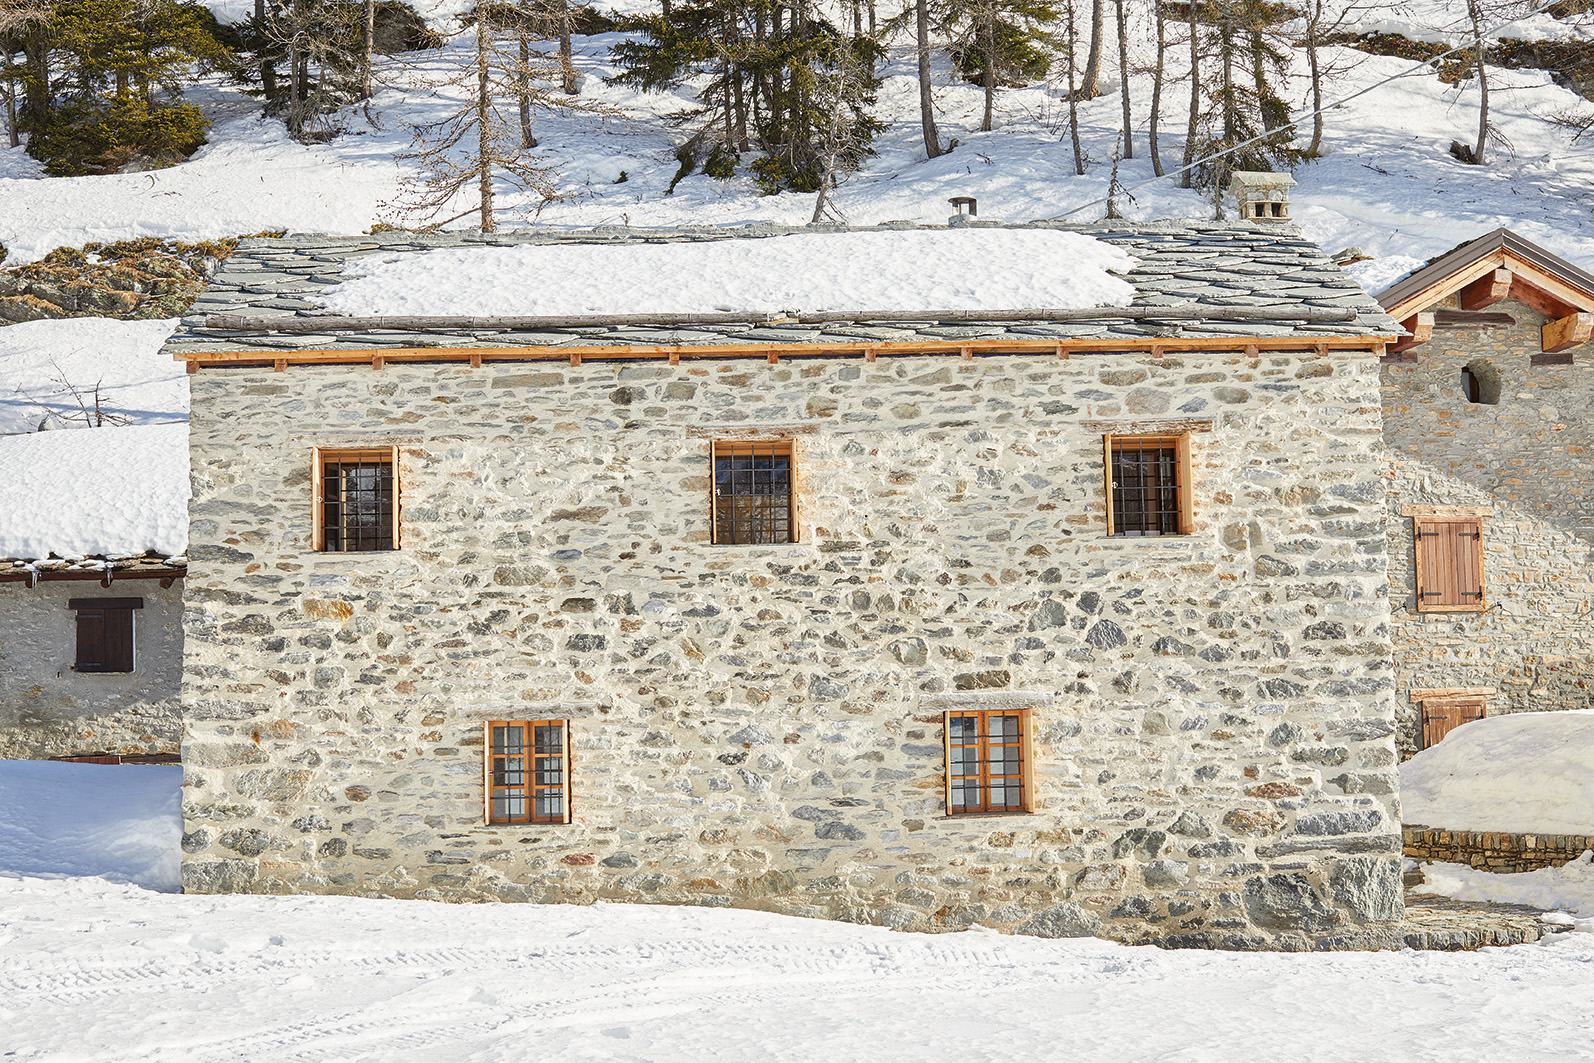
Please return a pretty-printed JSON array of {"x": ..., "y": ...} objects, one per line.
[{"x": 1492, "y": 31}]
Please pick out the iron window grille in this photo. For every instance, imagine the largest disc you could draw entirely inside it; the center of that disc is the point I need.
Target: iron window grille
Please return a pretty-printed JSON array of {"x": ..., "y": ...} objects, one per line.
[
  {"x": 1148, "y": 485},
  {"x": 357, "y": 506},
  {"x": 528, "y": 771},
  {"x": 988, "y": 762},
  {"x": 754, "y": 497}
]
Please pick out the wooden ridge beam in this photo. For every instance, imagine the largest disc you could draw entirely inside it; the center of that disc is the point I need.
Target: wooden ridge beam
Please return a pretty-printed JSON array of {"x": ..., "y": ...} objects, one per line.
[{"x": 1487, "y": 290}]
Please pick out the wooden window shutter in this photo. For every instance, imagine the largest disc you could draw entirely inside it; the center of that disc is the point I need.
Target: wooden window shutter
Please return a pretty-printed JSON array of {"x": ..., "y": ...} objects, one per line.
[
  {"x": 1449, "y": 555},
  {"x": 104, "y": 633},
  {"x": 398, "y": 495},
  {"x": 1440, "y": 716}
]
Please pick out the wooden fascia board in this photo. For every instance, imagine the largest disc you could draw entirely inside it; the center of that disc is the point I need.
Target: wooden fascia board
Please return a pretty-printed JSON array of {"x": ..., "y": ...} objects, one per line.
[
  {"x": 1150, "y": 345},
  {"x": 1523, "y": 272}
]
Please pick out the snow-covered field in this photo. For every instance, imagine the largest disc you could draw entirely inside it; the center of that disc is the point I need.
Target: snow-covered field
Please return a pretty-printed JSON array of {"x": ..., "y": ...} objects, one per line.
[
  {"x": 94, "y": 969},
  {"x": 1385, "y": 184}
]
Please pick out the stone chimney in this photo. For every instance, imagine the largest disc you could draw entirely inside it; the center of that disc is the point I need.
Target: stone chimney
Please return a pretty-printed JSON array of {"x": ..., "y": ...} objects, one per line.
[
  {"x": 968, "y": 209},
  {"x": 1262, "y": 196}
]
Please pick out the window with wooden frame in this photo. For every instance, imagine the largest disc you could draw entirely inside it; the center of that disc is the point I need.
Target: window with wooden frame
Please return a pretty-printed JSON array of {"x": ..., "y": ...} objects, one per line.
[
  {"x": 1449, "y": 564},
  {"x": 104, "y": 633},
  {"x": 356, "y": 499},
  {"x": 988, "y": 762},
  {"x": 1148, "y": 485},
  {"x": 527, "y": 771},
  {"x": 1445, "y": 710},
  {"x": 754, "y": 497}
]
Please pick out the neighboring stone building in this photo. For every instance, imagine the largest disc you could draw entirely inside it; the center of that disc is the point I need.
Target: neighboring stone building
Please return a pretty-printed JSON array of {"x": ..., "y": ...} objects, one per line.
[
  {"x": 1487, "y": 420},
  {"x": 91, "y": 635},
  {"x": 932, "y": 691}
]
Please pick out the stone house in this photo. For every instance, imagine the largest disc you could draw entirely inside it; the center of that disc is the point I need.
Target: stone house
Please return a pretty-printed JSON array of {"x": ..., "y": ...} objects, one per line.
[
  {"x": 91, "y": 636},
  {"x": 1491, "y": 490},
  {"x": 1063, "y": 621}
]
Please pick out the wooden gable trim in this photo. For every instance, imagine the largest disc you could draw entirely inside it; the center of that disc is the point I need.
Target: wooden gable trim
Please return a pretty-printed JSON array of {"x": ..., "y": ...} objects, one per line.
[{"x": 1496, "y": 276}]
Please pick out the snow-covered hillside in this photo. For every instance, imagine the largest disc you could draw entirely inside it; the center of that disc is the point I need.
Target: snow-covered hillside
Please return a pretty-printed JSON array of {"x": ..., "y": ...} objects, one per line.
[{"x": 1386, "y": 184}]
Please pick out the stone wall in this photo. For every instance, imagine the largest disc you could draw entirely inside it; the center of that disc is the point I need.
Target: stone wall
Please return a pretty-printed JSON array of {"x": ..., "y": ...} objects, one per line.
[
  {"x": 1531, "y": 458},
  {"x": 49, "y": 710},
  {"x": 1494, "y": 850},
  {"x": 761, "y": 726}
]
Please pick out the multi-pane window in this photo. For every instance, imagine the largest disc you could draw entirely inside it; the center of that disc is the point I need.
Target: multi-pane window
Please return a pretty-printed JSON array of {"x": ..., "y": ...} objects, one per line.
[
  {"x": 104, "y": 633},
  {"x": 1148, "y": 485},
  {"x": 528, "y": 771},
  {"x": 988, "y": 762},
  {"x": 1449, "y": 564},
  {"x": 356, "y": 504},
  {"x": 754, "y": 498}
]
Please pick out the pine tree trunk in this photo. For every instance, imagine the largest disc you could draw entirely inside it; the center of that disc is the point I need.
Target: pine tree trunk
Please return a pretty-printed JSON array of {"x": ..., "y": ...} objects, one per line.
[
  {"x": 367, "y": 46},
  {"x": 268, "y": 69},
  {"x": 932, "y": 138},
  {"x": 1195, "y": 100},
  {"x": 36, "y": 57},
  {"x": 1123, "y": 78},
  {"x": 523, "y": 90},
  {"x": 567, "y": 66},
  {"x": 1088, "y": 84},
  {"x": 1314, "y": 66},
  {"x": 1157, "y": 75},
  {"x": 988, "y": 46},
  {"x": 1073, "y": 96},
  {"x": 1483, "y": 85},
  {"x": 13, "y": 135},
  {"x": 296, "y": 72},
  {"x": 484, "y": 127}
]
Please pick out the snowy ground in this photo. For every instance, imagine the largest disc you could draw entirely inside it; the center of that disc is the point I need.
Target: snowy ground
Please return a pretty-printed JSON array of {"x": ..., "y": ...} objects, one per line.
[
  {"x": 94, "y": 970},
  {"x": 1386, "y": 183}
]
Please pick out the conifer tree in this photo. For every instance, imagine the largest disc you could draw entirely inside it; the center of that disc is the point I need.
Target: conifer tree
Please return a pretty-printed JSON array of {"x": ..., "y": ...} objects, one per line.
[{"x": 1001, "y": 42}]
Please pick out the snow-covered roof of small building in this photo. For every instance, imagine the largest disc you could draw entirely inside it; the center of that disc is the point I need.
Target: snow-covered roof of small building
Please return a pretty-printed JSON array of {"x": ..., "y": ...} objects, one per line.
[
  {"x": 77, "y": 499},
  {"x": 776, "y": 285},
  {"x": 119, "y": 493}
]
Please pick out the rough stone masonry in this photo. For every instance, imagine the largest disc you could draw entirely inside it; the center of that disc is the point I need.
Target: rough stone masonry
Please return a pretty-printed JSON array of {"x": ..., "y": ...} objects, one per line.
[{"x": 761, "y": 726}]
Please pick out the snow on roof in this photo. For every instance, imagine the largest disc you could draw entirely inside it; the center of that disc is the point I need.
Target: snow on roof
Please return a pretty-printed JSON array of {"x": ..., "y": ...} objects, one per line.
[
  {"x": 914, "y": 269},
  {"x": 94, "y": 492},
  {"x": 43, "y": 362},
  {"x": 1528, "y": 772}
]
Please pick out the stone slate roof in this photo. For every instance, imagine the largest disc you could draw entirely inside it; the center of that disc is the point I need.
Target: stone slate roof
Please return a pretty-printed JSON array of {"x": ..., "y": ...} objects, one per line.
[{"x": 1233, "y": 265}]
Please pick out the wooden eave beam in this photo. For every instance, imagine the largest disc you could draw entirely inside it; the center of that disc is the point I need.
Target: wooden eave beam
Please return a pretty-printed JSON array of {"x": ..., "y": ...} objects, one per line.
[
  {"x": 1421, "y": 328},
  {"x": 1531, "y": 285},
  {"x": 1567, "y": 332},
  {"x": 97, "y": 575},
  {"x": 867, "y": 349},
  {"x": 1487, "y": 290}
]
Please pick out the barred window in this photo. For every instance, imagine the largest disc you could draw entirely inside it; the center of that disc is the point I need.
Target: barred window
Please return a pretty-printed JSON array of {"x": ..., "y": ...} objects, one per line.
[
  {"x": 754, "y": 498},
  {"x": 1148, "y": 485},
  {"x": 988, "y": 762},
  {"x": 356, "y": 503},
  {"x": 528, "y": 771}
]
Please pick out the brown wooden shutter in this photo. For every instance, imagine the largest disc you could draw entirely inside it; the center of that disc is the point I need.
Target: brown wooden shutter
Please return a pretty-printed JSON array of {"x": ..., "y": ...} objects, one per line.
[
  {"x": 1449, "y": 564},
  {"x": 104, "y": 633},
  {"x": 1441, "y": 716}
]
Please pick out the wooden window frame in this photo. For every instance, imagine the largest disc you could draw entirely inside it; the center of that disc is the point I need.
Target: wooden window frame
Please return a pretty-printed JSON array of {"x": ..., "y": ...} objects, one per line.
[
  {"x": 1451, "y": 704},
  {"x": 117, "y": 647},
  {"x": 528, "y": 791},
  {"x": 1180, "y": 442},
  {"x": 319, "y": 456},
  {"x": 1452, "y": 587},
  {"x": 775, "y": 447},
  {"x": 1025, "y": 774}
]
